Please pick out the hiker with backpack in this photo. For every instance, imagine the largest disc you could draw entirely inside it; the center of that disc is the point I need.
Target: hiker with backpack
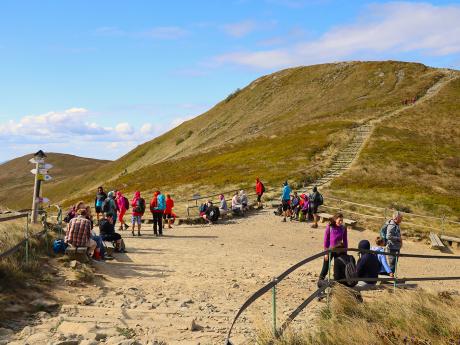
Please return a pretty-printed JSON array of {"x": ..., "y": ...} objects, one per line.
[
  {"x": 391, "y": 234},
  {"x": 138, "y": 205},
  {"x": 303, "y": 208},
  {"x": 315, "y": 200},
  {"x": 212, "y": 213},
  {"x": 157, "y": 207},
  {"x": 260, "y": 190},
  {"x": 123, "y": 206},
  {"x": 110, "y": 206},
  {"x": 368, "y": 265},
  {"x": 167, "y": 215},
  {"x": 334, "y": 236},
  {"x": 98, "y": 202},
  {"x": 286, "y": 200},
  {"x": 384, "y": 267}
]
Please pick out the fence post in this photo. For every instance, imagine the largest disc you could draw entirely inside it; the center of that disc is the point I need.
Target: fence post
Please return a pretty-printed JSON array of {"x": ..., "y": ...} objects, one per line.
[
  {"x": 443, "y": 223},
  {"x": 59, "y": 219},
  {"x": 275, "y": 331},
  {"x": 27, "y": 239},
  {"x": 385, "y": 214}
]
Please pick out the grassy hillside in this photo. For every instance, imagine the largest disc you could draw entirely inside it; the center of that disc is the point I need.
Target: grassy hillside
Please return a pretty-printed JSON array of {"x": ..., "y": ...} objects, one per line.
[
  {"x": 17, "y": 182},
  {"x": 276, "y": 127},
  {"x": 413, "y": 159}
]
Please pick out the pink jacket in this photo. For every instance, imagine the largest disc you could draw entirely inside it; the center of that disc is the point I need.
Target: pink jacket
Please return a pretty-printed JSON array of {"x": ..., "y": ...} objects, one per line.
[{"x": 120, "y": 202}]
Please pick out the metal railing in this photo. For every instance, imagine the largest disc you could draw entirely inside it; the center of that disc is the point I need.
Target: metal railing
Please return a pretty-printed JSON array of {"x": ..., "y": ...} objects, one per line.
[{"x": 277, "y": 332}]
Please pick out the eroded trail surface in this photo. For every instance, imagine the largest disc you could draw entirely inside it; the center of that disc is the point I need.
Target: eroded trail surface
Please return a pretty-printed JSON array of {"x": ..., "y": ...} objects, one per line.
[{"x": 201, "y": 275}]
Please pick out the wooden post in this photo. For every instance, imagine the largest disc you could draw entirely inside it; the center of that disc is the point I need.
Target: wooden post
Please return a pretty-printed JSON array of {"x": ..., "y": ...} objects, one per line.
[
  {"x": 275, "y": 331},
  {"x": 35, "y": 200}
]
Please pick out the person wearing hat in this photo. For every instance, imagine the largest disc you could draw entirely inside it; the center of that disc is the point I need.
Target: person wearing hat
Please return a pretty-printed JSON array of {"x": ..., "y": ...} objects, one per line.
[
  {"x": 368, "y": 265},
  {"x": 110, "y": 206}
]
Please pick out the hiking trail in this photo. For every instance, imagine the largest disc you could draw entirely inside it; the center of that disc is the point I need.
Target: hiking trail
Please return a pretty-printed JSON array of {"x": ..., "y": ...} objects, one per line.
[{"x": 360, "y": 135}]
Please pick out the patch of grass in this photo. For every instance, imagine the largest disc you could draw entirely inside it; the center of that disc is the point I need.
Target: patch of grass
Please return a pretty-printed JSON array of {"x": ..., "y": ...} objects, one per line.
[
  {"x": 406, "y": 317},
  {"x": 127, "y": 332},
  {"x": 85, "y": 274}
]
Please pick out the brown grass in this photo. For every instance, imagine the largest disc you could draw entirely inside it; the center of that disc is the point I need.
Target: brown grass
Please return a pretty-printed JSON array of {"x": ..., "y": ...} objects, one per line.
[{"x": 405, "y": 317}]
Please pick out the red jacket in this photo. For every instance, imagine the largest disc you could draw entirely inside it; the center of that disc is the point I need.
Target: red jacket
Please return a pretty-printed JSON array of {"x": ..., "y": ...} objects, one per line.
[
  {"x": 259, "y": 188},
  {"x": 169, "y": 206},
  {"x": 137, "y": 196}
]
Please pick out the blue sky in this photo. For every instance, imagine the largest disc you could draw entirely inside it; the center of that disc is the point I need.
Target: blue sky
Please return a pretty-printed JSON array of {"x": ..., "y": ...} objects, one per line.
[{"x": 96, "y": 78}]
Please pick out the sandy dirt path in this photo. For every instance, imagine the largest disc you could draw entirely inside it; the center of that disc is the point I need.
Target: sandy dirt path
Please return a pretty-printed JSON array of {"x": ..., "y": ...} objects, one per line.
[{"x": 206, "y": 273}]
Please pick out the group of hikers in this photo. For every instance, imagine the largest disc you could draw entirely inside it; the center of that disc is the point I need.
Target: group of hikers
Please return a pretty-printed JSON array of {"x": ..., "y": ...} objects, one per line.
[
  {"x": 112, "y": 207},
  {"x": 109, "y": 208},
  {"x": 370, "y": 264}
]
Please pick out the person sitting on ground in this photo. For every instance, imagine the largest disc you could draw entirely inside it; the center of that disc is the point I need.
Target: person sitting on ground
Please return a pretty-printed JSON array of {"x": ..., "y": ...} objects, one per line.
[
  {"x": 110, "y": 206},
  {"x": 244, "y": 201},
  {"x": 108, "y": 234},
  {"x": 315, "y": 200},
  {"x": 98, "y": 202},
  {"x": 335, "y": 235},
  {"x": 138, "y": 205},
  {"x": 203, "y": 208},
  {"x": 285, "y": 200},
  {"x": 223, "y": 208},
  {"x": 78, "y": 232},
  {"x": 384, "y": 267},
  {"x": 260, "y": 190},
  {"x": 123, "y": 205},
  {"x": 393, "y": 237},
  {"x": 368, "y": 265},
  {"x": 295, "y": 206},
  {"x": 167, "y": 215},
  {"x": 237, "y": 208},
  {"x": 212, "y": 213}
]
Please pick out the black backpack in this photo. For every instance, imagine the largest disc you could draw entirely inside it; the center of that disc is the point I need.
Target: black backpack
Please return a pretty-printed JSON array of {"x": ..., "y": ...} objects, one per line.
[
  {"x": 106, "y": 206},
  {"x": 126, "y": 202},
  {"x": 263, "y": 187},
  {"x": 213, "y": 213},
  {"x": 140, "y": 206},
  {"x": 350, "y": 269},
  {"x": 320, "y": 199}
]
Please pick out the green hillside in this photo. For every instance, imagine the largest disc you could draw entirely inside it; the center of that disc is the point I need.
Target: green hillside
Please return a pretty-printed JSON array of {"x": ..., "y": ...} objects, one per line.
[
  {"x": 413, "y": 159},
  {"x": 17, "y": 182},
  {"x": 276, "y": 127}
]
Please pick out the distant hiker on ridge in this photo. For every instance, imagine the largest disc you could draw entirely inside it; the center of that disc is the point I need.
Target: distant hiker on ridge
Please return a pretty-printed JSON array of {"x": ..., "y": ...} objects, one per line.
[{"x": 285, "y": 199}]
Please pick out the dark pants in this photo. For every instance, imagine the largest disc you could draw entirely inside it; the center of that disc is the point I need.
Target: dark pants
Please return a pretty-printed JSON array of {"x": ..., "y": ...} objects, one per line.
[
  {"x": 392, "y": 259},
  {"x": 325, "y": 268},
  {"x": 157, "y": 223}
]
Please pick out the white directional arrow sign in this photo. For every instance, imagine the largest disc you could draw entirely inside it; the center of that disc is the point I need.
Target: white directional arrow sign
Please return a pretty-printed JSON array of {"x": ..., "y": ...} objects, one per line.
[
  {"x": 35, "y": 161},
  {"x": 45, "y": 200},
  {"x": 40, "y": 171},
  {"x": 46, "y": 166}
]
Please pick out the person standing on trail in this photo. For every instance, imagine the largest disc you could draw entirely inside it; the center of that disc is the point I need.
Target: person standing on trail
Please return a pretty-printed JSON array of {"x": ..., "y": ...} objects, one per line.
[
  {"x": 167, "y": 216},
  {"x": 110, "y": 205},
  {"x": 315, "y": 200},
  {"x": 138, "y": 205},
  {"x": 335, "y": 236},
  {"x": 260, "y": 190},
  {"x": 123, "y": 206},
  {"x": 157, "y": 207},
  {"x": 98, "y": 202},
  {"x": 285, "y": 199},
  {"x": 393, "y": 238}
]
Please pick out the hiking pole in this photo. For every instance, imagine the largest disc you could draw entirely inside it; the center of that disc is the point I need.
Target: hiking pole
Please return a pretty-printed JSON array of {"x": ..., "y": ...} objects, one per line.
[
  {"x": 329, "y": 275},
  {"x": 396, "y": 273},
  {"x": 275, "y": 332}
]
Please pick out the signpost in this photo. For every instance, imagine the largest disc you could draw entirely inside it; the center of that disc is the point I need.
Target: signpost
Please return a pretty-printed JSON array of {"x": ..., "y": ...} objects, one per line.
[{"x": 41, "y": 174}]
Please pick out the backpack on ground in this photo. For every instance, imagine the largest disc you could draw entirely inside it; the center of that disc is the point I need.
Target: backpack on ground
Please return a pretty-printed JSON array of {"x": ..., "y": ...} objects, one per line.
[
  {"x": 140, "y": 206},
  {"x": 383, "y": 231},
  {"x": 213, "y": 214},
  {"x": 59, "y": 246},
  {"x": 126, "y": 203},
  {"x": 350, "y": 269}
]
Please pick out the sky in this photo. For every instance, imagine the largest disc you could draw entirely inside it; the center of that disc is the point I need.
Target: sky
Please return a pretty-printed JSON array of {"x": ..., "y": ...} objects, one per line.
[{"x": 97, "y": 78}]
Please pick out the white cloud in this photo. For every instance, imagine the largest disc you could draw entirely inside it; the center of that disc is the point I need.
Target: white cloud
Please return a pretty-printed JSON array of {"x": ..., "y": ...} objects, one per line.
[
  {"x": 165, "y": 32},
  {"x": 383, "y": 31},
  {"x": 239, "y": 29}
]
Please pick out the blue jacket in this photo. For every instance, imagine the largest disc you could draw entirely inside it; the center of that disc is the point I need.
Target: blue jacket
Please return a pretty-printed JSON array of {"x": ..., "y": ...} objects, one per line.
[
  {"x": 161, "y": 202},
  {"x": 384, "y": 267},
  {"x": 286, "y": 193}
]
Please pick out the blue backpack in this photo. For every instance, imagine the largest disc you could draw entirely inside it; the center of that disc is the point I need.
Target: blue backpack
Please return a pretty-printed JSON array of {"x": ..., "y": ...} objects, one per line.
[{"x": 59, "y": 246}]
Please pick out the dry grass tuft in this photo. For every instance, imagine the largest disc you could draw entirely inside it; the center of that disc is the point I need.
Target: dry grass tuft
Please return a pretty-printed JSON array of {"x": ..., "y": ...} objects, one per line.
[{"x": 405, "y": 317}]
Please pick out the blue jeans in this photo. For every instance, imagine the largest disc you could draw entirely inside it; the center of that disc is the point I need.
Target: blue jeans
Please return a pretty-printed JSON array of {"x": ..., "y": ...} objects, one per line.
[{"x": 100, "y": 244}]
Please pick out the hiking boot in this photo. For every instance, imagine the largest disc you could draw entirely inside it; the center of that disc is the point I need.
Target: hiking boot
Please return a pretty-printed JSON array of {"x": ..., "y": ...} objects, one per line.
[
  {"x": 284, "y": 219},
  {"x": 139, "y": 233},
  {"x": 126, "y": 226},
  {"x": 108, "y": 257},
  {"x": 132, "y": 232}
]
